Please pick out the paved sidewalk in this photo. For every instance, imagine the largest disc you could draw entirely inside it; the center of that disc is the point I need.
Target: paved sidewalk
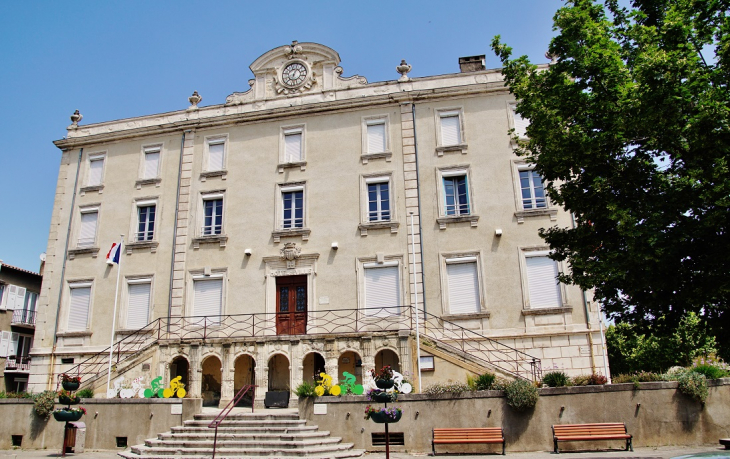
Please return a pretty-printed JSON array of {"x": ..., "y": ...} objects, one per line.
[{"x": 668, "y": 452}]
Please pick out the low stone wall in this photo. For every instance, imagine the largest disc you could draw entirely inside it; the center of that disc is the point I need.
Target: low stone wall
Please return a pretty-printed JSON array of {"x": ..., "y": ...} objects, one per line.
[
  {"x": 135, "y": 419},
  {"x": 656, "y": 414}
]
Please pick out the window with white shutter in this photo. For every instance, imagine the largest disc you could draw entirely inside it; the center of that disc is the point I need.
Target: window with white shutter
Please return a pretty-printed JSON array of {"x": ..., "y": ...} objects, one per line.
[
  {"x": 542, "y": 284},
  {"x": 96, "y": 170},
  {"x": 31, "y": 299},
  {"x": 151, "y": 163},
  {"x": 450, "y": 128},
  {"x": 520, "y": 124},
  {"x": 13, "y": 348},
  {"x": 3, "y": 299},
  {"x": 208, "y": 299},
  {"x": 87, "y": 231},
  {"x": 138, "y": 307},
  {"x": 376, "y": 136},
  {"x": 5, "y": 338},
  {"x": 78, "y": 311},
  {"x": 463, "y": 285},
  {"x": 382, "y": 290},
  {"x": 216, "y": 154},
  {"x": 293, "y": 145}
]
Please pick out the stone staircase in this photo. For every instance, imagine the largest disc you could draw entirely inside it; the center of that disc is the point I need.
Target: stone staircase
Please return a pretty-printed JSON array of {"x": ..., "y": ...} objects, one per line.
[{"x": 245, "y": 435}]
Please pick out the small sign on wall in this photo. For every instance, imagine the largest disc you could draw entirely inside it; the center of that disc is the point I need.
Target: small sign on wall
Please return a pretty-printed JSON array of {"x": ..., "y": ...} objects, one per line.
[
  {"x": 320, "y": 408},
  {"x": 176, "y": 408}
]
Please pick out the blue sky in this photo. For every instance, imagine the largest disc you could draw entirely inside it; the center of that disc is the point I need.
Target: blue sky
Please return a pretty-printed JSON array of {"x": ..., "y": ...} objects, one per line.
[{"x": 113, "y": 60}]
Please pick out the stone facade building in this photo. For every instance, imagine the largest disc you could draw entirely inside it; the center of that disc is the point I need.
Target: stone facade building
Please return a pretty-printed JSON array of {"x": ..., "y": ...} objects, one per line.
[{"x": 294, "y": 228}]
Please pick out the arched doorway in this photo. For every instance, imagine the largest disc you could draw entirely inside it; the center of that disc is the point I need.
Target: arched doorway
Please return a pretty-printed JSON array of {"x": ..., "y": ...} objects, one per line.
[
  {"x": 211, "y": 382},
  {"x": 179, "y": 367},
  {"x": 313, "y": 366},
  {"x": 244, "y": 374},
  {"x": 279, "y": 377},
  {"x": 350, "y": 362},
  {"x": 387, "y": 357}
]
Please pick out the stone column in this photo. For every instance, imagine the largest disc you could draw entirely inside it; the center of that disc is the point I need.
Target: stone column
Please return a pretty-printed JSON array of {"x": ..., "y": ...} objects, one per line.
[{"x": 227, "y": 374}]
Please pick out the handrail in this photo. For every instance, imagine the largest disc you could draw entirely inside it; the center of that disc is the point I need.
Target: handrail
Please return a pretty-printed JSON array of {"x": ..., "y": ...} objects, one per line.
[{"x": 218, "y": 420}]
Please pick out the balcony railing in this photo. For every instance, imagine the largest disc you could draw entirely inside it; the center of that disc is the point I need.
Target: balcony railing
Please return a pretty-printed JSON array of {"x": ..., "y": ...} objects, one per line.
[
  {"x": 20, "y": 364},
  {"x": 23, "y": 317}
]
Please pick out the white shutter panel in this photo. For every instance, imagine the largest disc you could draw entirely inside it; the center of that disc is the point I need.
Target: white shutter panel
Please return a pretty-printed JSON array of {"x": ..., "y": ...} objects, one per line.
[
  {"x": 4, "y": 343},
  {"x": 450, "y": 130},
  {"x": 215, "y": 156},
  {"x": 96, "y": 168},
  {"x": 78, "y": 311},
  {"x": 20, "y": 298},
  {"x": 138, "y": 310},
  {"x": 520, "y": 124},
  {"x": 293, "y": 147},
  {"x": 12, "y": 295},
  {"x": 151, "y": 164},
  {"x": 382, "y": 290},
  {"x": 87, "y": 234},
  {"x": 463, "y": 288},
  {"x": 4, "y": 293},
  {"x": 13, "y": 345},
  {"x": 208, "y": 299},
  {"x": 542, "y": 283},
  {"x": 376, "y": 138}
]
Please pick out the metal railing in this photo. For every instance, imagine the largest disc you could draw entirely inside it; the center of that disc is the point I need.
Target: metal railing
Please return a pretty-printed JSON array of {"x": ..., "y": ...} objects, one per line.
[
  {"x": 23, "y": 317},
  {"x": 226, "y": 411},
  {"x": 19, "y": 363},
  {"x": 391, "y": 319}
]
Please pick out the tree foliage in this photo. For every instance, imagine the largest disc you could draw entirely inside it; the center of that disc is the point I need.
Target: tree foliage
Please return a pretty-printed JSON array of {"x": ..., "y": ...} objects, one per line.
[{"x": 630, "y": 129}]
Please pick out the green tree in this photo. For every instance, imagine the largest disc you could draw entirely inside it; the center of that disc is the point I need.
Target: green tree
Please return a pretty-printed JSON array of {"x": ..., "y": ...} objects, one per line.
[{"x": 630, "y": 129}]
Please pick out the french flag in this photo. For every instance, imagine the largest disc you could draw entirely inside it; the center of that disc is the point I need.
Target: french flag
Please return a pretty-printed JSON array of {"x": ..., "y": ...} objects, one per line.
[{"x": 112, "y": 258}]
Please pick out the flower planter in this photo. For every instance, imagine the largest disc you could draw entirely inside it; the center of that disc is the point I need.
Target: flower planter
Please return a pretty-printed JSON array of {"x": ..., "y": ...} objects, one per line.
[
  {"x": 67, "y": 416},
  {"x": 383, "y": 397},
  {"x": 63, "y": 400},
  {"x": 382, "y": 418},
  {"x": 70, "y": 386},
  {"x": 384, "y": 383}
]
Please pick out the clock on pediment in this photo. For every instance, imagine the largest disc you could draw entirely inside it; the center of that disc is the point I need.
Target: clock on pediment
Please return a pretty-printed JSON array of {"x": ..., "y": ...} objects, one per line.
[{"x": 295, "y": 76}]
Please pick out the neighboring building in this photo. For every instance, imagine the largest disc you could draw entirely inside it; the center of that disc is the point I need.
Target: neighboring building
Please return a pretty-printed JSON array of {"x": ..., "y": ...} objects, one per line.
[
  {"x": 19, "y": 291},
  {"x": 269, "y": 238}
]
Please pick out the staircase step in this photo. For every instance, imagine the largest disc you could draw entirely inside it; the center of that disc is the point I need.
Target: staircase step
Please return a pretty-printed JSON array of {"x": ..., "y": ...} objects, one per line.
[
  {"x": 225, "y": 428},
  {"x": 227, "y": 435},
  {"x": 241, "y": 444},
  {"x": 221, "y": 452},
  {"x": 251, "y": 416},
  {"x": 244, "y": 423},
  {"x": 149, "y": 455}
]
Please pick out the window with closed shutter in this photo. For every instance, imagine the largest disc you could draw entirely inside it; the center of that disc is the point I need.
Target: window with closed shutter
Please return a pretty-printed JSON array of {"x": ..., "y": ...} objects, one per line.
[
  {"x": 450, "y": 128},
  {"x": 78, "y": 311},
  {"x": 463, "y": 285},
  {"x": 542, "y": 283},
  {"x": 96, "y": 169},
  {"x": 520, "y": 124},
  {"x": 151, "y": 163},
  {"x": 138, "y": 309},
  {"x": 382, "y": 291},
  {"x": 13, "y": 348},
  {"x": 87, "y": 232},
  {"x": 5, "y": 338},
  {"x": 293, "y": 146},
  {"x": 376, "y": 136},
  {"x": 208, "y": 299},
  {"x": 216, "y": 150},
  {"x": 3, "y": 297}
]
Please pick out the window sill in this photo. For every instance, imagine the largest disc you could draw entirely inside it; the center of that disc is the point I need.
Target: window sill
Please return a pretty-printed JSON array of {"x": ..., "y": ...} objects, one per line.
[
  {"x": 442, "y": 221},
  {"x": 387, "y": 155},
  {"x": 222, "y": 239},
  {"x": 364, "y": 227},
  {"x": 152, "y": 245},
  {"x": 280, "y": 233},
  {"x": 545, "y": 311},
  {"x": 475, "y": 315},
  {"x": 448, "y": 148},
  {"x": 223, "y": 173},
  {"x": 152, "y": 181},
  {"x": 74, "y": 334},
  {"x": 300, "y": 164},
  {"x": 522, "y": 214},
  {"x": 94, "y": 251},
  {"x": 88, "y": 189}
]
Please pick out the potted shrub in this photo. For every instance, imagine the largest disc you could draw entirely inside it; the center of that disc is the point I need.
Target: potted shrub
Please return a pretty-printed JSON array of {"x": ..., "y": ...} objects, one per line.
[
  {"x": 69, "y": 382},
  {"x": 383, "y": 415},
  {"x": 69, "y": 414},
  {"x": 384, "y": 377},
  {"x": 67, "y": 398}
]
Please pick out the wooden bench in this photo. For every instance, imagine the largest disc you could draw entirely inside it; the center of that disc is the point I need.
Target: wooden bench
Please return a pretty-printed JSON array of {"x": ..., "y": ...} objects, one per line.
[
  {"x": 588, "y": 432},
  {"x": 468, "y": 435}
]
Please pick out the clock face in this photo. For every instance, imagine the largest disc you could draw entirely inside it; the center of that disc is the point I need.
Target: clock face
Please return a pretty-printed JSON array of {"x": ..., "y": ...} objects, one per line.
[{"x": 294, "y": 74}]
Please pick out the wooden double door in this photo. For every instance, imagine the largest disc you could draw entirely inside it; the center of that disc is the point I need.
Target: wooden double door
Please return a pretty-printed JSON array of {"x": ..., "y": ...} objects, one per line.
[{"x": 291, "y": 305}]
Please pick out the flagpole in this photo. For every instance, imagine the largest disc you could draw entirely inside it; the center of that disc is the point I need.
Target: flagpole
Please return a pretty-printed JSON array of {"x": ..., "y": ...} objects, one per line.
[{"x": 114, "y": 317}]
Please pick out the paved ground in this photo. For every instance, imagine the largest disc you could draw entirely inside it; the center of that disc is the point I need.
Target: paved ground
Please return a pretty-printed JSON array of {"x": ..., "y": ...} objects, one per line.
[{"x": 639, "y": 453}]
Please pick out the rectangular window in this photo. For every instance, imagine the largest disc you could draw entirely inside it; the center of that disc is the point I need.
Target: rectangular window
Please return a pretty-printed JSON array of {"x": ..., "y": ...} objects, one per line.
[
  {"x": 519, "y": 124},
  {"x": 87, "y": 230},
  {"x": 5, "y": 340},
  {"x": 96, "y": 170},
  {"x": 146, "y": 222},
  {"x": 533, "y": 193},
  {"x": 151, "y": 163},
  {"x": 542, "y": 285},
  {"x": 456, "y": 195},
  {"x": 30, "y": 301},
  {"x": 212, "y": 216},
  {"x": 138, "y": 307},
  {"x": 463, "y": 285},
  {"x": 293, "y": 145},
  {"x": 78, "y": 311},
  {"x": 376, "y": 136},
  {"x": 15, "y": 297},
  {"x": 378, "y": 202},
  {"x": 293, "y": 207},
  {"x": 216, "y": 154},
  {"x": 208, "y": 299},
  {"x": 382, "y": 289},
  {"x": 450, "y": 128}
]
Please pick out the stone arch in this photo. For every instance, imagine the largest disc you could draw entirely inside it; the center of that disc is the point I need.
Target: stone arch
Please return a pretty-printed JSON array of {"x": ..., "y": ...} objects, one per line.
[
  {"x": 244, "y": 374},
  {"x": 349, "y": 361},
  {"x": 210, "y": 387},
  {"x": 179, "y": 366},
  {"x": 313, "y": 364},
  {"x": 279, "y": 372},
  {"x": 387, "y": 356}
]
